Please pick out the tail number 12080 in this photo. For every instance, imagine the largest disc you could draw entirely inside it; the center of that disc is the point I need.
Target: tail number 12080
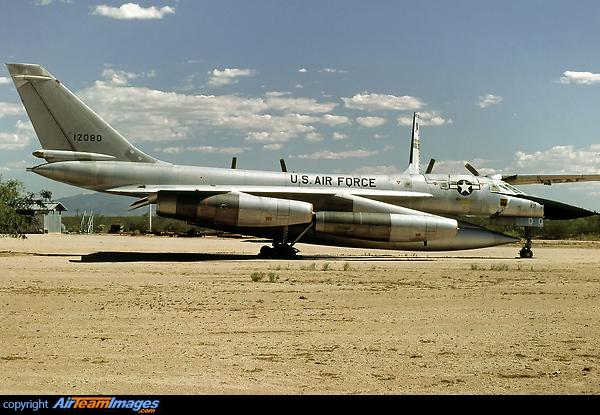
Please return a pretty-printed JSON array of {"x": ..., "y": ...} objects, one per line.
[{"x": 87, "y": 137}]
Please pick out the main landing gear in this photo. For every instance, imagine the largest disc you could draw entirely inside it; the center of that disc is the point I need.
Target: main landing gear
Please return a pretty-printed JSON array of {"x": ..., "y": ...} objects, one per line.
[
  {"x": 526, "y": 251},
  {"x": 281, "y": 249},
  {"x": 278, "y": 250}
]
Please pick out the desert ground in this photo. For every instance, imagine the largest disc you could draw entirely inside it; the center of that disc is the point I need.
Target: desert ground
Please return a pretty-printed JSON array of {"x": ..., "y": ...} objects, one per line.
[{"x": 114, "y": 314}]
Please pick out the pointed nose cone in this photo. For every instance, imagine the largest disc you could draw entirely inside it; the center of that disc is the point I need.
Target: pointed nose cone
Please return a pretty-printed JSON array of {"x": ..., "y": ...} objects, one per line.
[
  {"x": 557, "y": 210},
  {"x": 472, "y": 236},
  {"x": 502, "y": 239}
]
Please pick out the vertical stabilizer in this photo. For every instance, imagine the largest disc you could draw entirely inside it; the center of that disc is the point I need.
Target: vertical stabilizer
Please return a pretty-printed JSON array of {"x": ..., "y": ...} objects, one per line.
[
  {"x": 63, "y": 123},
  {"x": 415, "y": 148}
]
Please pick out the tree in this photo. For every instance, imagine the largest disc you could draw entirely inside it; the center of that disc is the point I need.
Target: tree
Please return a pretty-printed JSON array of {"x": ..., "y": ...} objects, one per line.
[
  {"x": 10, "y": 219},
  {"x": 17, "y": 208}
]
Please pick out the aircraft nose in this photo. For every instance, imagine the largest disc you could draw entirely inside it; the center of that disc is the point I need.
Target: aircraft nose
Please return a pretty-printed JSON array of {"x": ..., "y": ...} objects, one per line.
[{"x": 558, "y": 210}]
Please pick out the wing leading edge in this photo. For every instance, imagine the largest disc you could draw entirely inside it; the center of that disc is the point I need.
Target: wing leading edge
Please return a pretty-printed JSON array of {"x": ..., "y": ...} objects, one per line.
[
  {"x": 548, "y": 179},
  {"x": 145, "y": 193}
]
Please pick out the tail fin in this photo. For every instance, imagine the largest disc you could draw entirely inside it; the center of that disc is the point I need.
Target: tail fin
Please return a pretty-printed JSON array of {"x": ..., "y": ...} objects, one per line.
[
  {"x": 415, "y": 148},
  {"x": 66, "y": 127}
]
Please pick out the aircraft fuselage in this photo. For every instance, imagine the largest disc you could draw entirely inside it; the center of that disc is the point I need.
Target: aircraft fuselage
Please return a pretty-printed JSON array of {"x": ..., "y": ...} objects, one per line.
[{"x": 442, "y": 194}]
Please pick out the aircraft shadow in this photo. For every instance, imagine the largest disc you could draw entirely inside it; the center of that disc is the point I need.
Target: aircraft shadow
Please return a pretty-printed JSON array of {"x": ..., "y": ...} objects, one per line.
[
  {"x": 161, "y": 257},
  {"x": 203, "y": 257}
]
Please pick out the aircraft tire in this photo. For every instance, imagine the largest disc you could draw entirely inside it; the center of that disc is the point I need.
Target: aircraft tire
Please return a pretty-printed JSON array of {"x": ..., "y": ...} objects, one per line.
[
  {"x": 267, "y": 251},
  {"x": 526, "y": 253}
]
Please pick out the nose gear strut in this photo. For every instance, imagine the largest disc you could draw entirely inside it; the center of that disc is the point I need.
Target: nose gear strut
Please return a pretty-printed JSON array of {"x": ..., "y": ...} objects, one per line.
[{"x": 526, "y": 251}]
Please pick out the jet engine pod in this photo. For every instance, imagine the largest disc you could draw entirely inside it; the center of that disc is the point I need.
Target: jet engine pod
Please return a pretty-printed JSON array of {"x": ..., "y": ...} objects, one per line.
[
  {"x": 233, "y": 209},
  {"x": 388, "y": 227}
]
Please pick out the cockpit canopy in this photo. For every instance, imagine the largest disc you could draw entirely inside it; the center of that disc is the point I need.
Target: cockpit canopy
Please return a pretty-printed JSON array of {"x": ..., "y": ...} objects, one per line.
[{"x": 504, "y": 188}]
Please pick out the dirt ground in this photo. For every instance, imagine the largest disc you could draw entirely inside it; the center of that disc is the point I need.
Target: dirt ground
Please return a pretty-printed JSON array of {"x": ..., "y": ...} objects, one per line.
[{"x": 110, "y": 314}]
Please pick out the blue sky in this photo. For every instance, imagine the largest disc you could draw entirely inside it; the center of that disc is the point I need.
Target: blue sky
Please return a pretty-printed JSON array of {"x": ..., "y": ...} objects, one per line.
[{"x": 508, "y": 86}]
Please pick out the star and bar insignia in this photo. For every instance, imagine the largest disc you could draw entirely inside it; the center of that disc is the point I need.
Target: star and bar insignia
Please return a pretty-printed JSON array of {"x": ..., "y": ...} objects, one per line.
[{"x": 465, "y": 187}]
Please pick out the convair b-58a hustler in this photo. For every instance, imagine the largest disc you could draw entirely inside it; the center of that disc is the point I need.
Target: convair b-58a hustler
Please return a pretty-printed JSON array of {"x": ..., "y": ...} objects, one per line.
[{"x": 409, "y": 211}]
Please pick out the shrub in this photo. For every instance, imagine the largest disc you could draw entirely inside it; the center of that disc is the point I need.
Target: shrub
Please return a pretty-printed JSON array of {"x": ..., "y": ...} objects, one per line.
[{"x": 257, "y": 276}]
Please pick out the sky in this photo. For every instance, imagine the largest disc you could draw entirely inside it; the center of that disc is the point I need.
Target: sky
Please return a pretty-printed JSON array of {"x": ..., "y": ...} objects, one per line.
[{"x": 512, "y": 87}]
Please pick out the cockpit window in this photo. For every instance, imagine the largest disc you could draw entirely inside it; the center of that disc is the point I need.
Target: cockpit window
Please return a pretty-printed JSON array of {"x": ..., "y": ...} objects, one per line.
[{"x": 502, "y": 187}]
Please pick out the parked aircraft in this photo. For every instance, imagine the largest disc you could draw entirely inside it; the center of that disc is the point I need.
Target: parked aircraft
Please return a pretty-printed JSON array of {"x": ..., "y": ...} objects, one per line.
[{"x": 410, "y": 211}]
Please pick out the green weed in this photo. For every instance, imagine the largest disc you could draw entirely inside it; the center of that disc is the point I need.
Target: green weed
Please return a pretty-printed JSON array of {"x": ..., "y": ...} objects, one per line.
[
  {"x": 499, "y": 267},
  {"x": 257, "y": 276}
]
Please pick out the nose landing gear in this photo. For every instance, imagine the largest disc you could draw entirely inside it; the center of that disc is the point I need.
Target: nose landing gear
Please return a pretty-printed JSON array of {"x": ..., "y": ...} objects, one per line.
[{"x": 526, "y": 251}]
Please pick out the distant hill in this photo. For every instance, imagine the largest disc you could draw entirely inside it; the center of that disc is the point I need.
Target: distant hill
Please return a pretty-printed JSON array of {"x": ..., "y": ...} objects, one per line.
[{"x": 100, "y": 204}]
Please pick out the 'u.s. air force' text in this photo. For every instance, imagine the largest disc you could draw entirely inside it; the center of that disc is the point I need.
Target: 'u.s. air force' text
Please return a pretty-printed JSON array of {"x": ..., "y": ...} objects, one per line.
[{"x": 340, "y": 181}]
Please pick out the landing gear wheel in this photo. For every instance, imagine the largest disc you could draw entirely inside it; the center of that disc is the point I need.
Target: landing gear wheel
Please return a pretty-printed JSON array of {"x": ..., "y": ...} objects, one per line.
[
  {"x": 281, "y": 248},
  {"x": 526, "y": 251},
  {"x": 279, "y": 251},
  {"x": 267, "y": 251},
  {"x": 290, "y": 253}
]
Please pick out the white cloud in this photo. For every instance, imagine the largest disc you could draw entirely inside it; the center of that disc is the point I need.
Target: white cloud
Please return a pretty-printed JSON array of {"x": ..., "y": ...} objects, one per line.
[
  {"x": 274, "y": 146},
  {"x": 10, "y": 109},
  {"x": 334, "y": 120},
  {"x": 284, "y": 127},
  {"x": 371, "y": 121},
  {"x": 131, "y": 11},
  {"x": 376, "y": 102},
  {"x": 579, "y": 78},
  {"x": 374, "y": 170},
  {"x": 277, "y": 94},
  {"x": 313, "y": 137},
  {"x": 203, "y": 149},
  {"x": 120, "y": 77},
  {"x": 339, "y": 136},
  {"x": 425, "y": 118},
  {"x": 326, "y": 154},
  {"x": 489, "y": 99},
  {"x": 299, "y": 105},
  {"x": 19, "y": 139},
  {"x": 15, "y": 141},
  {"x": 270, "y": 136},
  {"x": 302, "y": 70},
  {"x": 11, "y": 166},
  {"x": 329, "y": 70},
  {"x": 227, "y": 76},
  {"x": 144, "y": 114},
  {"x": 458, "y": 166},
  {"x": 12, "y": 141},
  {"x": 4, "y": 80},
  {"x": 47, "y": 2},
  {"x": 558, "y": 159},
  {"x": 265, "y": 137},
  {"x": 25, "y": 127}
]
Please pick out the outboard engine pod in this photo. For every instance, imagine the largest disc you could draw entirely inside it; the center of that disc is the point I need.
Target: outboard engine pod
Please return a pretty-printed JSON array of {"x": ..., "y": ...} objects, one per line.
[
  {"x": 388, "y": 227},
  {"x": 233, "y": 209}
]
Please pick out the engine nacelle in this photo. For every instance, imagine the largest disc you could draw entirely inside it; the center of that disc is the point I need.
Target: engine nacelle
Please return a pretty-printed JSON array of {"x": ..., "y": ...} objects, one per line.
[
  {"x": 388, "y": 227},
  {"x": 233, "y": 209}
]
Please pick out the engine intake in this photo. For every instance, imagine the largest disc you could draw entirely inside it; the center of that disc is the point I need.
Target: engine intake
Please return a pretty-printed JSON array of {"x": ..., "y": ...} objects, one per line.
[{"x": 233, "y": 209}]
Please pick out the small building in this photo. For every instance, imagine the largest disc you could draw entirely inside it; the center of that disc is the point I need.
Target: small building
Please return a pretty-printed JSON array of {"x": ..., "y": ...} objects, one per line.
[{"x": 47, "y": 217}]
